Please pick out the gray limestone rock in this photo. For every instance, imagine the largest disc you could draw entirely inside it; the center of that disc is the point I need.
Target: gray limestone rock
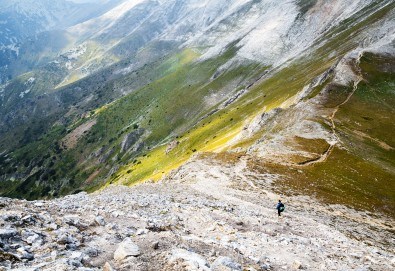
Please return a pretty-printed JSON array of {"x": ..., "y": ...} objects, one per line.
[{"x": 225, "y": 264}]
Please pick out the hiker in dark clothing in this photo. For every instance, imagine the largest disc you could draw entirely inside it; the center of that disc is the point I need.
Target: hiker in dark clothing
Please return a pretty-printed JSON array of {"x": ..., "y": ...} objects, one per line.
[{"x": 280, "y": 207}]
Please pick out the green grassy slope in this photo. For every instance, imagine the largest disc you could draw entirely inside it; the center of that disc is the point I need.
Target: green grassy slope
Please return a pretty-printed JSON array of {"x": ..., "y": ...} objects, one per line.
[{"x": 158, "y": 109}]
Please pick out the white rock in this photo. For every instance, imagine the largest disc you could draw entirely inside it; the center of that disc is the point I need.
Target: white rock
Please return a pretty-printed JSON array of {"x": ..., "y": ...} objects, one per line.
[
  {"x": 111, "y": 228},
  {"x": 39, "y": 204},
  {"x": 126, "y": 249},
  {"x": 192, "y": 259},
  {"x": 77, "y": 255},
  {"x": 117, "y": 213},
  {"x": 34, "y": 239},
  {"x": 52, "y": 226},
  {"x": 54, "y": 255},
  {"x": 100, "y": 221}
]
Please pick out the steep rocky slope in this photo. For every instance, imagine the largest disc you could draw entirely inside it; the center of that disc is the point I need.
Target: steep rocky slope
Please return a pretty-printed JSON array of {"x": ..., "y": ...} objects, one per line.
[
  {"x": 208, "y": 215},
  {"x": 303, "y": 88}
]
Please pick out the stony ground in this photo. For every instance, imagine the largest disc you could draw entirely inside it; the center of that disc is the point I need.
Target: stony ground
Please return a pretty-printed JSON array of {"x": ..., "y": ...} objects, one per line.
[{"x": 205, "y": 216}]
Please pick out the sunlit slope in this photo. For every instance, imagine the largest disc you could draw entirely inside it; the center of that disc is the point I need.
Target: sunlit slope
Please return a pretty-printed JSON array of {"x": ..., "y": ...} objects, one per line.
[{"x": 155, "y": 114}]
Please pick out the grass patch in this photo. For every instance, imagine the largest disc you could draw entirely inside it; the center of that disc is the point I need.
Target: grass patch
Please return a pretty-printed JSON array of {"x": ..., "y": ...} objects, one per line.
[{"x": 343, "y": 179}]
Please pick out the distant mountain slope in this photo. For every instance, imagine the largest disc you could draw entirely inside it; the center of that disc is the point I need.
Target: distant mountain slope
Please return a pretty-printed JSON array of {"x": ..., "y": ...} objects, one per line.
[
  {"x": 300, "y": 88},
  {"x": 22, "y": 20}
]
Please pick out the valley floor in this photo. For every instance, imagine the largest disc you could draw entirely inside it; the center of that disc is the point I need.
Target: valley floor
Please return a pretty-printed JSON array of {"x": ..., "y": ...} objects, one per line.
[{"x": 204, "y": 216}]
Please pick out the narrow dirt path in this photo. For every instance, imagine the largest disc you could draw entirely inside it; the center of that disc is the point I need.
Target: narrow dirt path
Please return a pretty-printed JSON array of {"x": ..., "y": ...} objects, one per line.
[{"x": 328, "y": 152}]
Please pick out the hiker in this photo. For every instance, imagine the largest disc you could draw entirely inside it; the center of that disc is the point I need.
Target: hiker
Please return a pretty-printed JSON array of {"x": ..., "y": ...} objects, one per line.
[{"x": 280, "y": 207}]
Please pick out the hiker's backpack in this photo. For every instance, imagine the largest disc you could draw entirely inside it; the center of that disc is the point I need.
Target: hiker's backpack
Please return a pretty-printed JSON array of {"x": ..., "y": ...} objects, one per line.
[{"x": 282, "y": 207}]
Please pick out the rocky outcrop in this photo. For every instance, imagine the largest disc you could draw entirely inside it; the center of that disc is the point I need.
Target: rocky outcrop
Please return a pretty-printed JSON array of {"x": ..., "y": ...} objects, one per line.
[{"x": 131, "y": 139}]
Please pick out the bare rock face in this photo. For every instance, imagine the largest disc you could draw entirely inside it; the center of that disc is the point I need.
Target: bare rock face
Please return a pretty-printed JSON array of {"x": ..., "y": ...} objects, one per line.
[{"x": 126, "y": 249}]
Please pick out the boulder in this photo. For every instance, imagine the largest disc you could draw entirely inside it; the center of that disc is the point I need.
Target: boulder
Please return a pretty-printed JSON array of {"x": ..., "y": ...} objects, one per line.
[
  {"x": 126, "y": 249},
  {"x": 64, "y": 239},
  {"x": 34, "y": 240},
  {"x": 28, "y": 220},
  {"x": 158, "y": 226},
  {"x": 77, "y": 255},
  {"x": 39, "y": 204}
]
